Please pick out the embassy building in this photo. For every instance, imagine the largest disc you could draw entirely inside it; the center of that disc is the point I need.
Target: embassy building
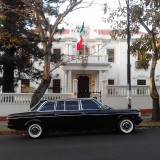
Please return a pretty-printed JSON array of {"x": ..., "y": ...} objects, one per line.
[{"x": 100, "y": 59}]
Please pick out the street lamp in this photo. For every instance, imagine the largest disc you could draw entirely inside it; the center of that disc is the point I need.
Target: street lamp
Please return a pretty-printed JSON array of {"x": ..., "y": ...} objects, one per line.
[{"x": 128, "y": 58}]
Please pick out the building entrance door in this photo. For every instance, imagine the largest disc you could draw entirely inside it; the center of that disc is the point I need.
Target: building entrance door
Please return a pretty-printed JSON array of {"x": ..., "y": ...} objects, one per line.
[{"x": 83, "y": 87}]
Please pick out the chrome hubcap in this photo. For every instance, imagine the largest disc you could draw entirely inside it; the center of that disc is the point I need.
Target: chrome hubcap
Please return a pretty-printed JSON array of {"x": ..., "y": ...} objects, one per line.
[
  {"x": 126, "y": 126},
  {"x": 35, "y": 130}
]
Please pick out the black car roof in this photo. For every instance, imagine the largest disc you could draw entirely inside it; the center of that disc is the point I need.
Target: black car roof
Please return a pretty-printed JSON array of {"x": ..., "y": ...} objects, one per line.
[{"x": 64, "y": 99}]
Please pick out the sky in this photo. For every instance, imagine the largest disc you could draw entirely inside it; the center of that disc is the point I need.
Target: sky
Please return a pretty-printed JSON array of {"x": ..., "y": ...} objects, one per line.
[{"x": 92, "y": 16}]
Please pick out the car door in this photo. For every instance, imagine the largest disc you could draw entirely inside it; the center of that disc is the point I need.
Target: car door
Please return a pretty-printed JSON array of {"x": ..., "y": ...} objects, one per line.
[
  {"x": 93, "y": 115},
  {"x": 47, "y": 114},
  {"x": 68, "y": 114}
]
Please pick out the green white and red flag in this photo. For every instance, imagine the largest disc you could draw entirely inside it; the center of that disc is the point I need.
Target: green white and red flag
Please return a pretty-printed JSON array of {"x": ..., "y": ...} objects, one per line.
[{"x": 80, "y": 39}]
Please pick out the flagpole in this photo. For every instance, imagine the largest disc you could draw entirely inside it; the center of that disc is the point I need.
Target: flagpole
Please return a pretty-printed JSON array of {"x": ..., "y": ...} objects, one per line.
[{"x": 84, "y": 43}]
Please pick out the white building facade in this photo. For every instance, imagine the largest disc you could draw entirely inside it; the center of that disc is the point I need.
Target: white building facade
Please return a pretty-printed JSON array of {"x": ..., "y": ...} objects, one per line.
[
  {"x": 100, "y": 59},
  {"x": 99, "y": 69}
]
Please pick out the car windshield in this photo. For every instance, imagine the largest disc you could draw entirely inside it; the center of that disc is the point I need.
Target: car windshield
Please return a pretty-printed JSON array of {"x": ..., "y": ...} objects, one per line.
[
  {"x": 35, "y": 108},
  {"x": 102, "y": 106},
  {"x": 106, "y": 107}
]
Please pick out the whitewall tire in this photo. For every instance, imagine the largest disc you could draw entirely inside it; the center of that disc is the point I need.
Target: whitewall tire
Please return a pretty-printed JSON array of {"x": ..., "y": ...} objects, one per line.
[
  {"x": 35, "y": 130},
  {"x": 126, "y": 126}
]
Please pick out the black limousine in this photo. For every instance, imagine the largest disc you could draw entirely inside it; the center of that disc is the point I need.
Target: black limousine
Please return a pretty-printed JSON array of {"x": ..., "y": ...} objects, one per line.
[{"x": 73, "y": 114}]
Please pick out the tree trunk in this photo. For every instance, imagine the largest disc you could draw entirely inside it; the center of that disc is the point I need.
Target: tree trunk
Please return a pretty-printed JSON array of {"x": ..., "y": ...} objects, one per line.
[
  {"x": 39, "y": 92},
  {"x": 156, "y": 110},
  {"x": 8, "y": 71},
  {"x": 46, "y": 78},
  {"x": 155, "y": 99},
  {"x": 153, "y": 90}
]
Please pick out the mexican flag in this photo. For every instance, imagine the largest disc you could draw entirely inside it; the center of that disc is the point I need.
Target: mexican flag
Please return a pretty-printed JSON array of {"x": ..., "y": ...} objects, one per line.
[{"x": 80, "y": 39}]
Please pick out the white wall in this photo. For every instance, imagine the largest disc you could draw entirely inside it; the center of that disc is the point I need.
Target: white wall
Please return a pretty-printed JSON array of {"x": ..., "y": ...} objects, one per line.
[
  {"x": 136, "y": 102},
  {"x": 6, "y": 109}
]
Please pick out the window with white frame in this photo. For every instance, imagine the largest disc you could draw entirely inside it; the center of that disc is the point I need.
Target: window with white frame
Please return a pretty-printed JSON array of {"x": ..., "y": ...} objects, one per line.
[
  {"x": 56, "y": 55},
  {"x": 56, "y": 85},
  {"x": 111, "y": 90},
  {"x": 25, "y": 84},
  {"x": 142, "y": 90},
  {"x": 110, "y": 81},
  {"x": 110, "y": 53},
  {"x": 141, "y": 82}
]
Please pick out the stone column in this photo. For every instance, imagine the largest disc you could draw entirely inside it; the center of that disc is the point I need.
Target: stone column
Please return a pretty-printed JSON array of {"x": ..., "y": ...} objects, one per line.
[
  {"x": 100, "y": 80},
  {"x": 70, "y": 49},
  {"x": 69, "y": 82},
  {"x": 104, "y": 91},
  {"x": 75, "y": 88},
  {"x": 19, "y": 86},
  {"x": 67, "y": 49},
  {"x": 63, "y": 82},
  {"x": 65, "y": 77}
]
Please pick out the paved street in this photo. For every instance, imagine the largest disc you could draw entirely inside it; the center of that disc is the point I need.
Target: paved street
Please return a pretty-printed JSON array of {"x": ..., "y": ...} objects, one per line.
[{"x": 143, "y": 145}]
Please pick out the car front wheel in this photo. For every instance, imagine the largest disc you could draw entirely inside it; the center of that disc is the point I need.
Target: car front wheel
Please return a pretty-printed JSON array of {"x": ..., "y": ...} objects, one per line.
[
  {"x": 126, "y": 126},
  {"x": 35, "y": 130}
]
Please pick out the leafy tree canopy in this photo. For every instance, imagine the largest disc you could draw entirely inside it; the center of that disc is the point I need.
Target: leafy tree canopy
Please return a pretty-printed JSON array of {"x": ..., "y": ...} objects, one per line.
[{"x": 14, "y": 33}]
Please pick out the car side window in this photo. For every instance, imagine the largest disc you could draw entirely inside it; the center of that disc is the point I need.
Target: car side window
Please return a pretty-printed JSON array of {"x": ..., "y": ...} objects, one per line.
[
  {"x": 60, "y": 105},
  {"x": 89, "y": 105},
  {"x": 49, "y": 106},
  {"x": 72, "y": 105}
]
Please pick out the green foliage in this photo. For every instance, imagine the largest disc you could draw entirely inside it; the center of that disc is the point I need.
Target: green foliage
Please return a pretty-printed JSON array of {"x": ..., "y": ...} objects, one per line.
[
  {"x": 18, "y": 43},
  {"x": 142, "y": 46},
  {"x": 142, "y": 64}
]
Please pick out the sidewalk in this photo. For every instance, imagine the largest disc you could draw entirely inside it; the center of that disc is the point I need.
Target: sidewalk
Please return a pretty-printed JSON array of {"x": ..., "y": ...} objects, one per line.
[{"x": 4, "y": 130}]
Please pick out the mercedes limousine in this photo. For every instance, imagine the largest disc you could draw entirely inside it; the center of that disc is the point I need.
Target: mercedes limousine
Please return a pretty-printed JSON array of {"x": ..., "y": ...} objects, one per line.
[{"x": 73, "y": 114}]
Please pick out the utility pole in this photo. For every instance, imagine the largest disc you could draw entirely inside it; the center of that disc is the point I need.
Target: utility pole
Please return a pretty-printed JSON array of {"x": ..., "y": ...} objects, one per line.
[{"x": 128, "y": 57}]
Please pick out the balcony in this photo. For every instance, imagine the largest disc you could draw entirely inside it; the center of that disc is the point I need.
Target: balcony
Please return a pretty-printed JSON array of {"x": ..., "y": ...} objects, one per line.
[{"x": 85, "y": 59}]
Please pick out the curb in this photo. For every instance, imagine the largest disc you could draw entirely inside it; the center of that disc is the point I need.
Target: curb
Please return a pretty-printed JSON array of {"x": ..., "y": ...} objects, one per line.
[
  {"x": 4, "y": 130},
  {"x": 3, "y": 118},
  {"x": 11, "y": 133}
]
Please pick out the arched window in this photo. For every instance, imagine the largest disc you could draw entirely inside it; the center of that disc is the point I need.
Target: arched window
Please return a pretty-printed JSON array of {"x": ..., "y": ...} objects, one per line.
[{"x": 84, "y": 50}]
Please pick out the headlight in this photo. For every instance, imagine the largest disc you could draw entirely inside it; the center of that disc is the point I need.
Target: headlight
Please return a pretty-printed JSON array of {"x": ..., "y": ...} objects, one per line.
[
  {"x": 7, "y": 119},
  {"x": 139, "y": 114}
]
